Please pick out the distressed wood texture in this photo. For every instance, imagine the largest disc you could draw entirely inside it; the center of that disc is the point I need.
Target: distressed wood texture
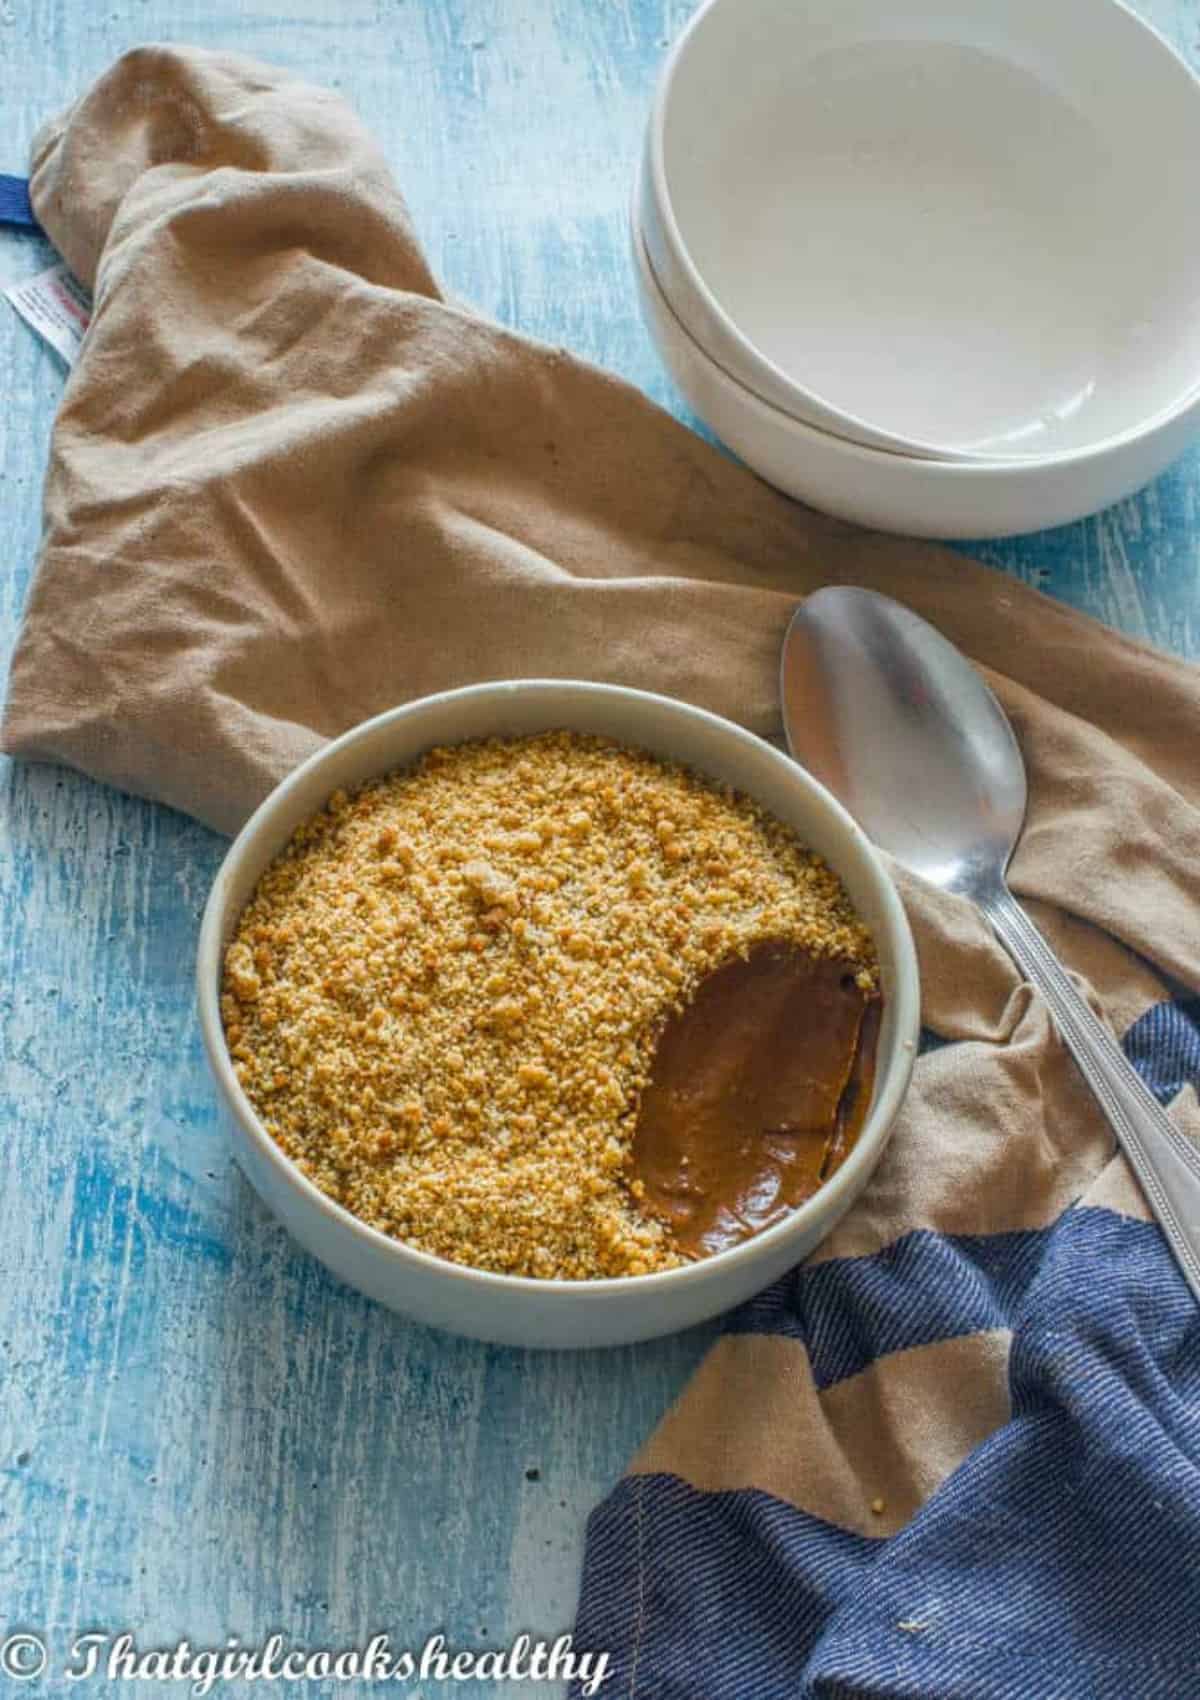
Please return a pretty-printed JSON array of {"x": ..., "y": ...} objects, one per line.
[{"x": 200, "y": 1432}]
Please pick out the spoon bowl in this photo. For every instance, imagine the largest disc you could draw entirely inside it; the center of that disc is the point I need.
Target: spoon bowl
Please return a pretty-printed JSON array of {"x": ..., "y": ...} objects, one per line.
[{"x": 895, "y": 721}]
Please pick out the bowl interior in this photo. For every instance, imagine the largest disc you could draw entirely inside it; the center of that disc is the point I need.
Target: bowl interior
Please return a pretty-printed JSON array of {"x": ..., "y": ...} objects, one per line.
[
  {"x": 968, "y": 225},
  {"x": 664, "y": 727}
]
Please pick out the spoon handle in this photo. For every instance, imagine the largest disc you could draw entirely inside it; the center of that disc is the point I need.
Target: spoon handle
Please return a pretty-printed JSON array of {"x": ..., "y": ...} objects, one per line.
[{"x": 1165, "y": 1161}]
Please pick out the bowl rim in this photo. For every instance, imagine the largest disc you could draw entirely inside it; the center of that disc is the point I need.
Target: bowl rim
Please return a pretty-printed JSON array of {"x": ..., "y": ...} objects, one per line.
[
  {"x": 868, "y": 1148},
  {"x": 866, "y": 453},
  {"x": 927, "y": 453}
]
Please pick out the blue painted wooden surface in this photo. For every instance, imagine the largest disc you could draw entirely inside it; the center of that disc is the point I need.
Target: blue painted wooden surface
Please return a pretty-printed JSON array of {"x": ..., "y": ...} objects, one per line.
[{"x": 200, "y": 1432}]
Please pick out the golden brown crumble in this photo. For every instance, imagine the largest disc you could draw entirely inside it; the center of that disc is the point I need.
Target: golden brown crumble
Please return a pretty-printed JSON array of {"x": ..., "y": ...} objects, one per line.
[{"x": 444, "y": 996}]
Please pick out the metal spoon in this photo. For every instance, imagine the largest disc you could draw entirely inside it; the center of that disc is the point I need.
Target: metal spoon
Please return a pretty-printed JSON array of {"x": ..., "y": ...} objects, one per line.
[{"x": 887, "y": 714}]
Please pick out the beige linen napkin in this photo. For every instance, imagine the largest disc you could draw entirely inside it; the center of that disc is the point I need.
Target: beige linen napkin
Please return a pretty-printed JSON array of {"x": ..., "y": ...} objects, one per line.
[{"x": 290, "y": 485}]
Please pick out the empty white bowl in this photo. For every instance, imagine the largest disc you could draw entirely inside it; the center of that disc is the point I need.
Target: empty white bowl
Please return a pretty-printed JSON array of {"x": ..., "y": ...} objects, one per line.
[
  {"x": 505, "y": 1308},
  {"x": 893, "y": 492},
  {"x": 945, "y": 229}
]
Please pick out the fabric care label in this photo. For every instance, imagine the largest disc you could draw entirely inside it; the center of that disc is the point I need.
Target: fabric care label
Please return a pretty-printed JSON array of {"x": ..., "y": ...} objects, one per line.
[{"x": 58, "y": 308}]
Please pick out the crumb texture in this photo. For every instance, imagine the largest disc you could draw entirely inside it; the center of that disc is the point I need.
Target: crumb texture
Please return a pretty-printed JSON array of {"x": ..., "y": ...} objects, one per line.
[{"x": 444, "y": 997}]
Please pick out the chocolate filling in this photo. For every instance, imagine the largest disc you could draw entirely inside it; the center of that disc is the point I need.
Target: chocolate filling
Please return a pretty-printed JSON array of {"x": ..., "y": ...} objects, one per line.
[{"x": 758, "y": 1091}]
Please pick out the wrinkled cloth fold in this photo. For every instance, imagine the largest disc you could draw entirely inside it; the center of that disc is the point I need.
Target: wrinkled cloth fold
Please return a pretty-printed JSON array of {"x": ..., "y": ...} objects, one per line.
[{"x": 291, "y": 485}]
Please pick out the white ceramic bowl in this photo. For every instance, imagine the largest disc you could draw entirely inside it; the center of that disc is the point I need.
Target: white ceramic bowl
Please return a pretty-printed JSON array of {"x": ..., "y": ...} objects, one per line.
[
  {"x": 509, "y": 1309},
  {"x": 941, "y": 228},
  {"x": 893, "y": 492}
]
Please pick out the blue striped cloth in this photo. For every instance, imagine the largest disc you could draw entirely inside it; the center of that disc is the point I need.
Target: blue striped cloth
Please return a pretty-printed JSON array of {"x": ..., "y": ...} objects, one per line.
[{"x": 1060, "y": 1558}]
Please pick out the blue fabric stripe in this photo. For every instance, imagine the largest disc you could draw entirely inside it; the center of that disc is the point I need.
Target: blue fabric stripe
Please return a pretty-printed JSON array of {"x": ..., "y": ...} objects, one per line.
[
  {"x": 923, "y": 1287},
  {"x": 712, "y": 1594},
  {"x": 1062, "y": 1559},
  {"x": 1164, "y": 1047},
  {"x": 14, "y": 203}
]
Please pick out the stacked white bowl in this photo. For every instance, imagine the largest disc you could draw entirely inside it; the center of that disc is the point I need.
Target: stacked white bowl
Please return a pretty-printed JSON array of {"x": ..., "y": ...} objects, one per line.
[{"x": 931, "y": 267}]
